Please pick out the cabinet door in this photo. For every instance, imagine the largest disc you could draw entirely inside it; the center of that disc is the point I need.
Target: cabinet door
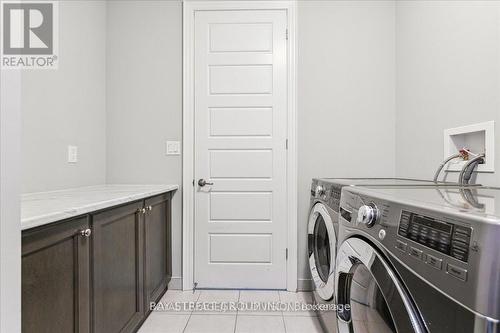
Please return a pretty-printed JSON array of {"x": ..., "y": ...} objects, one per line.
[
  {"x": 55, "y": 278},
  {"x": 158, "y": 258},
  {"x": 118, "y": 292}
]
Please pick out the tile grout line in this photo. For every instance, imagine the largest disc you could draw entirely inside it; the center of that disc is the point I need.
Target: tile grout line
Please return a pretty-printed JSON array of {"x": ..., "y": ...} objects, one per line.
[
  {"x": 282, "y": 312},
  {"x": 191, "y": 313},
  {"x": 236, "y": 319}
]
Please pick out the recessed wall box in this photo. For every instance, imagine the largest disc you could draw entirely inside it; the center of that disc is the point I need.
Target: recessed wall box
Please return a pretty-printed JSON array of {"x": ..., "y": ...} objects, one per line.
[{"x": 478, "y": 138}]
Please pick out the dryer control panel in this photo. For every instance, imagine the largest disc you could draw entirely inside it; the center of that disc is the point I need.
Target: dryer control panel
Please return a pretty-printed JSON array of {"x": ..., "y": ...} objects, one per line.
[{"x": 445, "y": 237}]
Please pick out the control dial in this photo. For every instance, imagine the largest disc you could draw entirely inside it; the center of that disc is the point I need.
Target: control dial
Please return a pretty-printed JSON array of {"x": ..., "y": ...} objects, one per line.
[
  {"x": 319, "y": 191},
  {"x": 368, "y": 214}
]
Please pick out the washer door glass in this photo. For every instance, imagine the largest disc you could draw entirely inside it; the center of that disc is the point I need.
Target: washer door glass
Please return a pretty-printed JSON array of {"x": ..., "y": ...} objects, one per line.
[
  {"x": 370, "y": 297},
  {"x": 322, "y": 249},
  {"x": 369, "y": 310}
]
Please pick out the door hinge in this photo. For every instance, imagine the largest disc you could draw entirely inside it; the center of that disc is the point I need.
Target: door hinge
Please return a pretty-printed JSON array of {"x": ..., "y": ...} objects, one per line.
[
  {"x": 193, "y": 182},
  {"x": 286, "y": 254},
  {"x": 286, "y": 144},
  {"x": 286, "y": 34}
]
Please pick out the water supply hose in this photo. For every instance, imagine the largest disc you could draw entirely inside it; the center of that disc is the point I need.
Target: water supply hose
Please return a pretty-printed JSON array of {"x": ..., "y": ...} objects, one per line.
[
  {"x": 441, "y": 166},
  {"x": 468, "y": 169}
]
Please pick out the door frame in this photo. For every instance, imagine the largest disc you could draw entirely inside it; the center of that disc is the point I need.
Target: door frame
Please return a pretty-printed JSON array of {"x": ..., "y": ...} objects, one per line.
[{"x": 189, "y": 10}]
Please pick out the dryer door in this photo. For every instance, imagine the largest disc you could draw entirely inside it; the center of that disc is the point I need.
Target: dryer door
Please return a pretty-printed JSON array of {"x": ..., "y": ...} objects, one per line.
[
  {"x": 370, "y": 297},
  {"x": 322, "y": 248}
]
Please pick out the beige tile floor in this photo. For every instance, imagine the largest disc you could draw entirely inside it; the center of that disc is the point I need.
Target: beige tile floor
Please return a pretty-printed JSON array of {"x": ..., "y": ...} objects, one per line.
[{"x": 168, "y": 320}]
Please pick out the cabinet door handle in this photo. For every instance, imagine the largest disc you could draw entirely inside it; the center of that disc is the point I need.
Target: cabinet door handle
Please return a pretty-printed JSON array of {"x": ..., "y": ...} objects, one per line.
[
  {"x": 149, "y": 208},
  {"x": 141, "y": 211},
  {"x": 85, "y": 232}
]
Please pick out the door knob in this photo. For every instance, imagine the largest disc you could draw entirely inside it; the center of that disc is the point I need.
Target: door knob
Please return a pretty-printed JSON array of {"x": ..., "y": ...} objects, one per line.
[
  {"x": 202, "y": 182},
  {"x": 85, "y": 232}
]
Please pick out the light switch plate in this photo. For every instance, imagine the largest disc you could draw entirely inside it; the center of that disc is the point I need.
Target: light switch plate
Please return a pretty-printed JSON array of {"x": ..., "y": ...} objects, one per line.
[
  {"x": 72, "y": 154},
  {"x": 173, "y": 147}
]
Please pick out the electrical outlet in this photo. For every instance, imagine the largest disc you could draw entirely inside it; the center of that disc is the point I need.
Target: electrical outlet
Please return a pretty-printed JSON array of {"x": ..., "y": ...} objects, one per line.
[
  {"x": 72, "y": 154},
  {"x": 173, "y": 147}
]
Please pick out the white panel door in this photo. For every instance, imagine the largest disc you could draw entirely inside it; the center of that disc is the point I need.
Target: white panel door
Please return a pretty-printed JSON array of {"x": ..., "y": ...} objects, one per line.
[{"x": 240, "y": 149}]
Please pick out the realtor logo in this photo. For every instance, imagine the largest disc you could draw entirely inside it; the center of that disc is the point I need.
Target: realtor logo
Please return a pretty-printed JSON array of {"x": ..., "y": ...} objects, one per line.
[{"x": 29, "y": 38}]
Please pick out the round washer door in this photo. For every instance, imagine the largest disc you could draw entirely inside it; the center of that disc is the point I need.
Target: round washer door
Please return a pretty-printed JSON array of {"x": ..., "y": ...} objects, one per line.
[
  {"x": 322, "y": 249},
  {"x": 369, "y": 295}
]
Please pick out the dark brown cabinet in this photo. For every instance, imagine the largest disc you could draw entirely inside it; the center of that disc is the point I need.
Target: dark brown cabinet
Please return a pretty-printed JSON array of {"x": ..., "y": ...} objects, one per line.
[
  {"x": 55, "y": 278},
  {"x": 97, "y": 273},
  {"x": 157, "y": 245},
  {"x": 117, "y": 262}
]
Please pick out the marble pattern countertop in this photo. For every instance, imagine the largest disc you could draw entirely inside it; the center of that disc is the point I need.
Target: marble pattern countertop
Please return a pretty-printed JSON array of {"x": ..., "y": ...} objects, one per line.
[{"x": 45, "y": 207}]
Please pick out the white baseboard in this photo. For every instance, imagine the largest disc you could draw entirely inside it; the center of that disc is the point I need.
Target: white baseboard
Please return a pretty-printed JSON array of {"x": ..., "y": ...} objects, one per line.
[
  {"x": 302, "y": 284},
  {"x": 175, "y": 283}
]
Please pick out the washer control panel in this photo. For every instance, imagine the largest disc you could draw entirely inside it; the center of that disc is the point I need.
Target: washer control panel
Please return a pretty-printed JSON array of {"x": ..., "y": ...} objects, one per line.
[{"x": 450, "y": 239}]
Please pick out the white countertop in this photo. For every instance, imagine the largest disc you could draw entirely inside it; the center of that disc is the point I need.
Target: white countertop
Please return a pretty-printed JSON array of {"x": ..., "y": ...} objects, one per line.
[{"x": 45, "y": 207}]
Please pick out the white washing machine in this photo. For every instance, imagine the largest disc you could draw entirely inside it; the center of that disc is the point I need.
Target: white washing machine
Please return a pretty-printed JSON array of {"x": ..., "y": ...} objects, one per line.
[{"x": 323, "y": 232}]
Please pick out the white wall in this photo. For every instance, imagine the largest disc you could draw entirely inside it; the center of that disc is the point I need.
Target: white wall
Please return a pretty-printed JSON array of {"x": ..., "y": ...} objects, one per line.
[
  {"x": 10, "y": 210},
  {"x": 67, "y": 106},
  {"x": 346, "y": 102},
  {"x": 448, "y": 75},
  {"x": 144, "y": 100}
]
